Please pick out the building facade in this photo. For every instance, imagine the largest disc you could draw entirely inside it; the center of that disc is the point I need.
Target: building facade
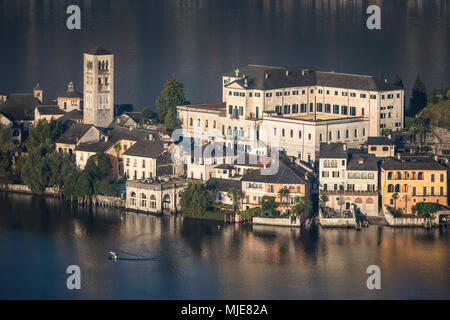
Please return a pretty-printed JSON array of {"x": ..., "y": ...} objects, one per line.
[
  {"x": 98, "y": 87},
  {"x": 412, "y": 180},
  {"x": 349, "y": 179},
  {"x": 259, "y": 103}
]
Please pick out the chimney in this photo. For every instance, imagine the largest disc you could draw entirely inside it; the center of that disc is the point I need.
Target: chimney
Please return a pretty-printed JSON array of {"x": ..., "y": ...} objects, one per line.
[
  {"x": 399, "y": 156},
  {"x": 436, "y": 158},
  {"x": 345, "y": 147},
  {"x": 150, "y": 137},
  {"x": 266, "y": 75},
  {"x": 131, "y": 128},
  {"x": 287, "y": 73}
]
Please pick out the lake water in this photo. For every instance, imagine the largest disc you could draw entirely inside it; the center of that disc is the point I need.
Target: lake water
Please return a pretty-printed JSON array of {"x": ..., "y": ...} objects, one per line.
[
  {"x": 198, "y": 40},
  {"x": 175, "y": 258}
]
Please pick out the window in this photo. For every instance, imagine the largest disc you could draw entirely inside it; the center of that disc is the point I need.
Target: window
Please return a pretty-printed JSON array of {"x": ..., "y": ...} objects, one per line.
[
  {"x": 424, "y": 191},
  {"x": 442, "y": 178},
  {"x": 299, "y": 134},
  {"x": 295, "y": 93},
  {"x": 441, "y": 191},
  {"x": 330, "y": 136},
  {"x": 241, "y": 111},
  {"x": 320, "y": 137},
  {"x": 352, "y": 94},
  {"x": 309, "y": 136},
  {"x": 344, "y": 110},
  {"x": 274, "y": 132},
  {"x": 268, "y": 94},
  {"x": 303, "y": 107},
  {"x": 295, "y": 108},
  {"x": 339, "y": 135},
  {"x": 292, "y": 133},
  {"x": 230, "y": 109},
  {"x": 356, "y": 133},
  {"x": 344, "y": 94},
  {"x": 271, "y": 188},
  {"x": 282, "y": 132},
  {"x": 257, "y": 94},
  {"x": 372, "y": 96},
  {"x": 311, "y": 107},
  {"x": 362, "y": 111},
  {"x": 327, "y": 108},
  {"x": 364, "y": 132},
  {"x": 336, "y": 93},
  {"x": 287, "y": 109},
  {"x": 352, "y": 111},
  {"x": 362, "y": 95},
  {"x": 346, "y": 134},
  {"x": 319, "y": 107},
  {"x": 432, "y": 177},
  {"x": 336, "y": 109}
]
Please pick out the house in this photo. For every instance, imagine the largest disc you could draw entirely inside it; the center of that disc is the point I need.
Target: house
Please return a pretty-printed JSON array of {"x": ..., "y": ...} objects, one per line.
[
  {"x": 412, "y": 180},
  {"x": 153, "y": 196},
  {"x": 47, "y": 112},
  {"x": 78, "y": 133},
  {"x": 68, "y": 118},
  {"x": 256, "y": 184},
  {"x": 350, "y": 179},
  {"x": 71, "y": 99},
  {"x": 17, "y": 113},
  {"x": 128, "y": 119},
  {"x": 141, "y": 159},
  {"x": 221, "y": 188},
  {"x": 381, "y": 147}
]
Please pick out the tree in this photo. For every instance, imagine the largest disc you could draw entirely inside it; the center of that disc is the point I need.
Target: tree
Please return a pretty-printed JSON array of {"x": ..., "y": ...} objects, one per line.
[
  {"x": 170, "y": 122},
  {"x": 196, "y": 199},
  {"x": 236, "y": 196},
  {"x": 418, "y": 99},
  {"x": 304, "y": 205},
  {"x": 381, "y": 76},
  {"x": 43, "y": 133},
  {"x": 117, "y": 148},
  {"x": 36, "y": 170},
  {"x": 426, "y": 209},
  {"x": 98, "y": 166},
  {"x": 395, "y": 197},
  {"x": 171, "y": 96},
  {"x": 104, "y": 187},
  {"x": 147, "y": 114},
  {"x": 324, "y": 198},
  {"x": 6, "y": 148},
  {"x": 283, "y": 194},
  {"x": 398, "y": 81},
  {"x": 268, "y": 204}
]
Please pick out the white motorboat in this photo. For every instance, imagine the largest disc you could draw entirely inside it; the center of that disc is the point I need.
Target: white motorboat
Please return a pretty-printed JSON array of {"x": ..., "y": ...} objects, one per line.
[{"x": 113, "y": 256}]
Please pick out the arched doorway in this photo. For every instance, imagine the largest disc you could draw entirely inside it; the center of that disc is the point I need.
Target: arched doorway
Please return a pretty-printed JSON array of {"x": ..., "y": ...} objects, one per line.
[{"x": 166, "y": 201}]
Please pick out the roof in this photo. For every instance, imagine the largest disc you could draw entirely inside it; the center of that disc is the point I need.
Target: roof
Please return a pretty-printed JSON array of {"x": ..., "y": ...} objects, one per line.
[
  {"x": 98, "y": 51},
  {"x": 268, "y": 77},
  {"x": 129, "y": 133},
  {"x": 226, "y": 166},
  {"x": 413, "y": 163},
  {"x": 165, "y": 170},
  {"x": 71, "y": 94},
  {"x": 219, "y": 106},
  {"x": 363, "y": 162},
  {"x": 285, "y": 175},
  {"x": 332, "y": 150},
  {"x": 380, "y": 141},
  {"x": 74, "y": 133},
  {"x": 19, "y": 106},
  {"x": 136, "y": 116},
  {"x": 49, "y": 110},
  {"x": 94, "y": 147},
  {"x": 223, "y": 184},
  {"x": 145, "y": 149}
]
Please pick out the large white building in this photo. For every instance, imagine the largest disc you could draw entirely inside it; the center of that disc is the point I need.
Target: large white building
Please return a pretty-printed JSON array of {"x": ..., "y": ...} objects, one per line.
[
  {"x": 98, "y": 69},
  {"x": 295, "y": 110}
]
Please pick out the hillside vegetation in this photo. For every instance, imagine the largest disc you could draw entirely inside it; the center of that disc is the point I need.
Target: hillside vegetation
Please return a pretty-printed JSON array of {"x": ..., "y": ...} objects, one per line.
[{"x": 438, "y": 114}]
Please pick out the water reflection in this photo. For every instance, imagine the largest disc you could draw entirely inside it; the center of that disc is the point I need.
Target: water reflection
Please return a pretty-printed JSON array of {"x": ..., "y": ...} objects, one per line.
[{"x": 174, "y": 258}]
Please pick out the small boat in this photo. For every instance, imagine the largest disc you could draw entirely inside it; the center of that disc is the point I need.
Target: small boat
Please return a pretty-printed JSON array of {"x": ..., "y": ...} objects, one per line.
[{"x": 112, "y": 255}]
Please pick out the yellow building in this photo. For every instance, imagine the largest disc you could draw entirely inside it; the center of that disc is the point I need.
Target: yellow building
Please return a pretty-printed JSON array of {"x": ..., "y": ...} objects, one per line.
[{"x": 413, "y": 180}]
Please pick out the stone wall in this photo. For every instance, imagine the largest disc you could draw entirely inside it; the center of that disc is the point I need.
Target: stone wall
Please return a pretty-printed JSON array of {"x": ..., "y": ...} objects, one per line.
[{"x": 284, "y": 222}]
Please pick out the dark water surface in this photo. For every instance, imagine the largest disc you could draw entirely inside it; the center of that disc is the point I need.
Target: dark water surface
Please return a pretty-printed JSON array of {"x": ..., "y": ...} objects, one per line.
[
  {"x": 198, "y": 40},
  {"x": 172, "y": 258}
]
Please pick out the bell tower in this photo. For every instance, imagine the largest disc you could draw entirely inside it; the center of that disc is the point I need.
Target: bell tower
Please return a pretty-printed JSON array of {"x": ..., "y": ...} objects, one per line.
[{"x": 98, "y": 87}]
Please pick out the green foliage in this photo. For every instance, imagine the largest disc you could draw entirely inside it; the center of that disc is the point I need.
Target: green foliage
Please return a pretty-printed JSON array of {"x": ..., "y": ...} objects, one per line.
[
  {"x": 195, "y": 200},
  {"x": 324, "y": 198},
  {"x": 43, "y": 133},
  {"x": 6, "y": 148},
  {"x": 304, "y": 206},
  {"x": 283, "y": 192},
  {"x": 236, "y": 196},
  {"x": 98, "y": 166},
  {"x": 425, "y": 209},
  {"x": 171, "y": 96},
  {"x": 148, "y": 114},
  {"x": 104, "y": 187},
  {"x": 418, "y": 99},
  {"x": 268, "y": 204},
  {"x": 170, "y": 122},
  {"x": 381, "y": 76},
  {"x": 249, "y": 213}
]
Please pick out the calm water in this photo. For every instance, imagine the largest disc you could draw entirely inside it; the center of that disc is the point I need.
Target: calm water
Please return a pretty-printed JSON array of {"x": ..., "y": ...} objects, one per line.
[
  {"x": 172, "y": 258},
  {"x": 198, "y": 40}
]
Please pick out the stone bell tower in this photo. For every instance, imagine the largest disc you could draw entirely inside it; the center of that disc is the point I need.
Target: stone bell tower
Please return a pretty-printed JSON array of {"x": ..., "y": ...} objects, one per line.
[{"x": 98, "y": 87}]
